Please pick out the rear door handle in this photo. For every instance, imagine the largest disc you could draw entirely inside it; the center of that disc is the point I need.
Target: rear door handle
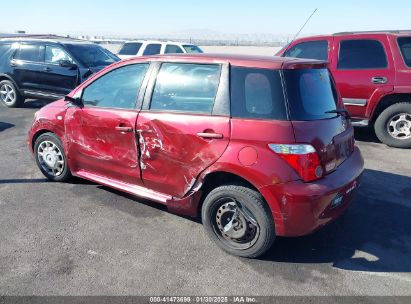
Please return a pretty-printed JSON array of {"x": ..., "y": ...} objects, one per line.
[
  {"x": 379, "y": 80},
  {"x": 13, "y": 63},
  {"x": 124, "y": 129},
  {"x": 210, "y": 135}
]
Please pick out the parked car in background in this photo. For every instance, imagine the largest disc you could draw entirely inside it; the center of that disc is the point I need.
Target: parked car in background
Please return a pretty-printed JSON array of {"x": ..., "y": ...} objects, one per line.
[
  {"x": 259, "y": 146},
  {"x": 46, "y": 68},
  {"x": 149, "y": 48},
  {"x": 373, "y": 75}
]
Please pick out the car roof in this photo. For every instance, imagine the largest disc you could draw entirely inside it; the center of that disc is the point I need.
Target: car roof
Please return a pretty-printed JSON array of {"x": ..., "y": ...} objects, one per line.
[
  {"x": 383, "y": 32},
  {"x": 50, "y": 39},
  {"x": 157, "y": 41},
  {"x": 268, "y": 62}
]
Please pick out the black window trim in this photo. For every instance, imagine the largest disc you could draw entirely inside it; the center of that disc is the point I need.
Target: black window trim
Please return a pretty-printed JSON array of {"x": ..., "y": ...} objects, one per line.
[
  {"x": 221, "y": 106},
  {"x": 363, "y": 69},
  {"x": 140, "y": 95},
  {"x": 399, "y": 48},
  {"x": 29, "y": 61},
  {"x": 308, "y": 41}
]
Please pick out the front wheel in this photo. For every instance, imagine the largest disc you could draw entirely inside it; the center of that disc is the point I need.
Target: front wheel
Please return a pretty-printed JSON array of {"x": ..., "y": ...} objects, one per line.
[
  {"x": 50, "y": 158},
  {"x": 393, "y": 125},
  {"x": 237, "y": 219}
]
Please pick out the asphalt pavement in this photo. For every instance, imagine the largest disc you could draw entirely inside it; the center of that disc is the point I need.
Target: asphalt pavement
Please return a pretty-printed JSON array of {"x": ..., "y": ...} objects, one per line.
[{"x": 80, "y": 238}]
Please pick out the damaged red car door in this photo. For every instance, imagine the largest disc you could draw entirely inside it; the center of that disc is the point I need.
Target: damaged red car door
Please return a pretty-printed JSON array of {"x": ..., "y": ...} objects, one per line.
[
  {"x": 101, "y": 134},
  {"x": 178, "y": 134}
]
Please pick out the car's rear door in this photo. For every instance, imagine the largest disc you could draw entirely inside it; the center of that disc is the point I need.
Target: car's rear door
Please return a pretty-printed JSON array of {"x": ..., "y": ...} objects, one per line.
[
  {"x": 363, "y": 70},
  {"x": 100, "y": 135},
  {"x": 184, "y": 125}
]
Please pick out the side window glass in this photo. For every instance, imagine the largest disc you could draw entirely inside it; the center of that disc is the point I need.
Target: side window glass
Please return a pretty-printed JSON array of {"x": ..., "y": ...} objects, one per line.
[
  {"x": 186, "y": 88},
  {"x": 116, "y": 89},
  {"x": 152, "y": 49},
  {"x": 130, "y": 48},
  {"x": 173, "y": 49},
  {"x": 26, "y": 52},
  {"x": 311, "y": 50},
  {"x": 361, "y": 54},
  {"x": 55, "y": 55}
]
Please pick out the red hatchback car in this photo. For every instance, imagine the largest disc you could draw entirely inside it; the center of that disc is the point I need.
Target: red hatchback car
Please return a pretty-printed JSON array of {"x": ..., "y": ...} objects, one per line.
[{"x": 259, "y": 146}]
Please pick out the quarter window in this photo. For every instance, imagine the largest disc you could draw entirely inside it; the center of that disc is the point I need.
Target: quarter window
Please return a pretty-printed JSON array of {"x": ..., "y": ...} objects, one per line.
[
  {"x": 186, "y": 88},
  {"x": 26, "y": 52},
  {"x": 130, "y": 48},
  {"x": 173, "y": 49},
  {"x": 257, "y": 93},
  {"x": 116, "y": 89},
  {"x": 361, "y": 54},
  {"x": 152, "y": 49},
  {"x": 405, "y": 47},
  {"x": 310, "y": 49},
  {"x": 55, "y": 55}
]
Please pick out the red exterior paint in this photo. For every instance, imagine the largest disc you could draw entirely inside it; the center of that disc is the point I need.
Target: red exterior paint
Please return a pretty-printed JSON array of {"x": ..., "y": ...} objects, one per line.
[
  {"x": 357, "y": 83},
  {"x": 168, "y": 156}
]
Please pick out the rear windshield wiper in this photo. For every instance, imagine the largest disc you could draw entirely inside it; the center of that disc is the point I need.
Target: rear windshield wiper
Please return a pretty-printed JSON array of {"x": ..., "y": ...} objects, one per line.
[{"x": 339, "y": 112}]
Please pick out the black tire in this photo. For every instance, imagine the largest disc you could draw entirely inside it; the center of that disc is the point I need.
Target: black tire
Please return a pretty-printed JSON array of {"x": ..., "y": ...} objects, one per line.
[
  {"x": 382, "y": 128},
  {"x": 252, "y": 202},
  {"x": 64, "y": 173},
  {"x": 13, "y": 98}
]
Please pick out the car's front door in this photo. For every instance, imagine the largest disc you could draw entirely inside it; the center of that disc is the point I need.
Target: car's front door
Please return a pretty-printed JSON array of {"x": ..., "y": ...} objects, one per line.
[
  {"x": 364, "y": 69},
  {"x": 184, "y": 125},
  {"x": 59, "y": 79},
  {"x": 100, "y": 135}
]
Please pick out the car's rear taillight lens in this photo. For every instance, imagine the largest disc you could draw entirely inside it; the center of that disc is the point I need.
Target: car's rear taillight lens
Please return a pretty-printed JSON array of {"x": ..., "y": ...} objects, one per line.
[{"x": 302, "y": 158}]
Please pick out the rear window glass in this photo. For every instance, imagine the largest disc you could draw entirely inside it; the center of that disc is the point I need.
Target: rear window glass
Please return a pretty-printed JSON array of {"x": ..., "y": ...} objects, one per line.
[
  {"x": 361, "y": 54},
  {"x": 152, "y": 49},
  {"x": 130, "y": 48},
  {"x": 27, "y": 52},
  {"x": 257, "y": 93},
  {"x": 310, "y": 94},
  {"x": 405, "y": 47},
  {"x": 311, "y": 49}
]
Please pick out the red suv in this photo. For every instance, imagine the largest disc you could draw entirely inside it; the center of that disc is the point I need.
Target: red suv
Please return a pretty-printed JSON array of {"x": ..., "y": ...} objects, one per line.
[
  {"x": 258, "y": 146},
  {"x": 373, "y": 74}
]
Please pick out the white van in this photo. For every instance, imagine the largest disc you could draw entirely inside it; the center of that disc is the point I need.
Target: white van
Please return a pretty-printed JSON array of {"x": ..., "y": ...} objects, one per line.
[{"x": 147, "y": 48}]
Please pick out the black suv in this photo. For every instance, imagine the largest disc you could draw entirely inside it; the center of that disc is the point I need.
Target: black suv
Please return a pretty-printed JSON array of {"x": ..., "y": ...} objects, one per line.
[{"x": 46, "y": 68}]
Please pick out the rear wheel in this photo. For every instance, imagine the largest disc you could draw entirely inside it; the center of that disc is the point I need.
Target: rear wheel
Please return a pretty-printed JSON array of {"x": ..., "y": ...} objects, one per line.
[
  {"x": 238, "y": 220},
  {"x": 393, "y": 126},
  {"x": 9, "y": 94},
  {"x": 50, "y": 158}
]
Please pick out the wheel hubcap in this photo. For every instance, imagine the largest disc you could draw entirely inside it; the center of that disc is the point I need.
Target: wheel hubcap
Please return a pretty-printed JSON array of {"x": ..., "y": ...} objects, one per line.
[
  {"x": 50, "y": 158},
  {"x": 235, "y": 224},
  {"x": 7, "y": 94},
  {"x": 399, "y": 126}
]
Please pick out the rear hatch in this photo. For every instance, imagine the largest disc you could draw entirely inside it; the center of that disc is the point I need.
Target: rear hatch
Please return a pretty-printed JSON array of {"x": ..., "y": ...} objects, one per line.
[{"x": 312, "y": 105}]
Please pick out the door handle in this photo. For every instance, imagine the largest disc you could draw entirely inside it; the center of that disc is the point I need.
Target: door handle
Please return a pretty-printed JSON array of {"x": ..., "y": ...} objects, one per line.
[
  {"x": 210, "y": 135},
  {"x": 47, "y": 69},
  {"x": 124, "y": 129},
  {"x": 13, "y": 63},
  {"x": 379, "y": 80}
]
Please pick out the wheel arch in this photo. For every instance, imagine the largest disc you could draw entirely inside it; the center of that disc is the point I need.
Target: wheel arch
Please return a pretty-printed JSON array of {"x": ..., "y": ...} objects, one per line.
[
  {"x": 387, "y": 101},
  {"x": 38, "y": 134},
  {"x": 9, "y": 78}
]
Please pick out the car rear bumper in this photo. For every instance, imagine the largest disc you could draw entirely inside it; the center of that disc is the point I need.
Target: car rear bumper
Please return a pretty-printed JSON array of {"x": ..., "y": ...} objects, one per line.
[{"x": 300, "y": 208}]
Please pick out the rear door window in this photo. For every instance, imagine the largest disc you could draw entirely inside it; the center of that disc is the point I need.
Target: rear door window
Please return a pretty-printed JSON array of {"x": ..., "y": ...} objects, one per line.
[
  {"x": 310, "y": 49},
  {"x": 310, "y": 94},
  {"x": 257, "y": 93},
  {"x": 152, "y": 49},
  {"x": 361, "y": 54},
  {"x": 405, "y": 47},
  {"x": 27, "y": 52},
  {"x": 130, "y": 48},
  {"x": 184, "y": 87},
  {"x": 173, "y": 49}
]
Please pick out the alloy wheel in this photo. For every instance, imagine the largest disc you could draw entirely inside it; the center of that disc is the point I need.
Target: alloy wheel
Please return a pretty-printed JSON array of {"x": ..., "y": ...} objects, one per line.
[
  {"x": 50, "y": 158},
  {"x": 7, "y": 94},
  {"x": 399, "y": 126}
]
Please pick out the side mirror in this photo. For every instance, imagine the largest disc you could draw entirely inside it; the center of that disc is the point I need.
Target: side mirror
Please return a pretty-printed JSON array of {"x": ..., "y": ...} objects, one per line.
[
  {"x": 67, "y": 64},
  {"x": 73, "y": 100}
]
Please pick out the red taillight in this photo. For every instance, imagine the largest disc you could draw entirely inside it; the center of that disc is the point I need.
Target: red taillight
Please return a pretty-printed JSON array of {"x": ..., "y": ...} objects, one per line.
[{"x": 302, "y": 158}]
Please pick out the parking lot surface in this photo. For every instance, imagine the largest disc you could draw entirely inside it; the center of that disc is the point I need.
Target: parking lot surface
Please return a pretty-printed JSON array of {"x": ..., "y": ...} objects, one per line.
[{"x": 80, "y": 238}]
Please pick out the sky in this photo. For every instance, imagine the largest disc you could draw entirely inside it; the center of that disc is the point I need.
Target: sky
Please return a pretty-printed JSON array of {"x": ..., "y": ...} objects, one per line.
[{"x": 127, "y": 18}]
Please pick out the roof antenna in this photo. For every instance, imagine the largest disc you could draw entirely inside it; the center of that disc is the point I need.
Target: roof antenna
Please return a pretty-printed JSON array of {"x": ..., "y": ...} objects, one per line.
[{"x": 298, "y": 33}]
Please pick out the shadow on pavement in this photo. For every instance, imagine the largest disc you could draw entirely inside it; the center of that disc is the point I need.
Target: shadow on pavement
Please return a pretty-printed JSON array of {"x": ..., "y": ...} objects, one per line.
[
  {"x": 36, "y": 103},
  {"x": 374, "y": 235},
  {"x": 366, "y": 135},
  {"x": 5, "y": 126}
]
